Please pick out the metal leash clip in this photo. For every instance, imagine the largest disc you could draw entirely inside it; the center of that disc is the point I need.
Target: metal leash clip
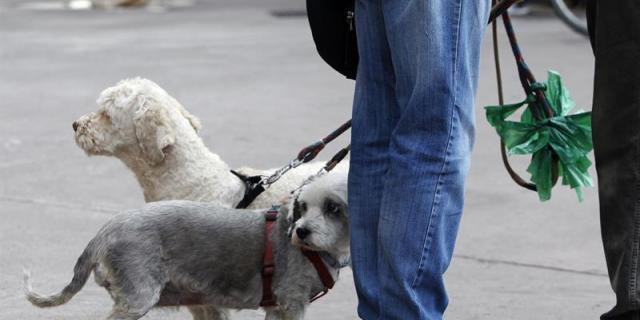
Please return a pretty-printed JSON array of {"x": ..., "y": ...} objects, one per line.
[
  {"x": 267, "y": 181},
  {"x": 325, "y": 169},
  {"x": 254, "y": 189}
]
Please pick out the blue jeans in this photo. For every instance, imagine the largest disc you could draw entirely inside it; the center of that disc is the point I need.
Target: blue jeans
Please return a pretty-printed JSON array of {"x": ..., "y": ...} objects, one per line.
[{"x": 413, "y": 132}]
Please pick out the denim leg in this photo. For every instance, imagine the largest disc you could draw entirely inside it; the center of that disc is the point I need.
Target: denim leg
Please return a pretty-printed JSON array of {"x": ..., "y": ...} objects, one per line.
[
  {"x": 375, "y": 113},
  {"x": 413, "y": 130},
  {"x": 616, "y": 136},
  {"x": 435, "y": 49}
]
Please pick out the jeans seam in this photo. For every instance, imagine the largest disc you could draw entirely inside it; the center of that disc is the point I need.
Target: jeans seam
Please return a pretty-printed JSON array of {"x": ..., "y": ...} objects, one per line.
[
  {"x": 426, "y": 243},
  {"x": 456, "y": 52}
]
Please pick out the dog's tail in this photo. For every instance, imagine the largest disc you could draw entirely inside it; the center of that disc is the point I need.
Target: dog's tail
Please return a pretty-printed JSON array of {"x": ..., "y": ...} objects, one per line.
[{"x": 81, "y": 273}]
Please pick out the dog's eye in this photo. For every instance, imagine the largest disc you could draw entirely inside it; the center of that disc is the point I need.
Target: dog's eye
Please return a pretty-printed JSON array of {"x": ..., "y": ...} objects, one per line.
[
  {"x": 332, "y": 208},
  {"x": 303, "y": 207},
  {"x": 298, "y": 209}
]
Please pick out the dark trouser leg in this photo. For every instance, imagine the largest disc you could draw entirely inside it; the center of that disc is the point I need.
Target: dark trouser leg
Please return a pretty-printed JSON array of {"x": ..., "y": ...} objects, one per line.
[{"x": 615, "y": 27}]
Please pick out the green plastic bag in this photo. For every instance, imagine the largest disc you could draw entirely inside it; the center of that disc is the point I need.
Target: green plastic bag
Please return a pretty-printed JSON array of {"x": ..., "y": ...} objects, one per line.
[{"x": 564, "y": 135}]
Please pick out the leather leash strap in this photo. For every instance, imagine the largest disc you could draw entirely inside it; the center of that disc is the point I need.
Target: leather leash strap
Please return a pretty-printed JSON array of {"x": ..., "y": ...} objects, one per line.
[
  {"x": 323, "y": 272},
  {"x": 268, "y": 265}
]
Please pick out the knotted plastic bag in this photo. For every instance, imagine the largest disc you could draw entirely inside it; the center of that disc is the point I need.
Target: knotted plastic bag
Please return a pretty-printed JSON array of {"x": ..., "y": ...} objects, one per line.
[{"x": 565, "y": 136}]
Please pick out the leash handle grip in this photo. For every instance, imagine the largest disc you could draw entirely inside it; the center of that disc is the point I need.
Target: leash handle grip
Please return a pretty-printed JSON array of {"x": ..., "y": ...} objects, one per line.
[
  {"x": 309, "y": 153},
  {"x": 337, "y": 158}
]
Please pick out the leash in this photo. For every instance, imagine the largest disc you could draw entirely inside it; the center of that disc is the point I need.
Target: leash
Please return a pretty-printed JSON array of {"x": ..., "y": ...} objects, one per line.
[
  {"x": 324, "y": 170},
  {"x": 500, "y": 8},
  {"x": 268, "y": 264},
  {"x": 256, "y": 185},
  {"x": 531, "y": 87},
  {"x": 503, "y": 150}
]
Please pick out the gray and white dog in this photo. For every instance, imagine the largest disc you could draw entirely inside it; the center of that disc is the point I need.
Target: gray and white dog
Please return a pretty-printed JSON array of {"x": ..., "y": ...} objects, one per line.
[{"x": 182, "y": 252}]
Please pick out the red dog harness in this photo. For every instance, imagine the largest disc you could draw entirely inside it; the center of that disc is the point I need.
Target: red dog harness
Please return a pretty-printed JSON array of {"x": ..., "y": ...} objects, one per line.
[{"x": 268, "y": 265}]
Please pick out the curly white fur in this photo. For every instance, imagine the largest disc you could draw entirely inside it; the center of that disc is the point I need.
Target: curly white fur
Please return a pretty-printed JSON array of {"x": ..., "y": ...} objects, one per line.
[{"x": 157, "y": 138}]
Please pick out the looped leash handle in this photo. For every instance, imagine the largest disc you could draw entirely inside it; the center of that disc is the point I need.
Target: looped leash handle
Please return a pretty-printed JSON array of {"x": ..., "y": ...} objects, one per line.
[
  {"x": 533, "y": 89},
  {"x": 519, "y": 180}
]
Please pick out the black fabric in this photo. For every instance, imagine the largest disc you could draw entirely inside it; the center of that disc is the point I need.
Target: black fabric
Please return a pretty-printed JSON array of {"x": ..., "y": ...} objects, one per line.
[
  {"x": 615, "y": 36},
  {"x": 334, "y": 33},
  {"x": 252, "y": 189}
]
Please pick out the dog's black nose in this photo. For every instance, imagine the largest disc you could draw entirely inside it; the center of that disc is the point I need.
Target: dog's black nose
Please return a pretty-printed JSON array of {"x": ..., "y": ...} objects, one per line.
[
  {"x": 302, "y": 232},
  {"x": 75, "y": 126}
]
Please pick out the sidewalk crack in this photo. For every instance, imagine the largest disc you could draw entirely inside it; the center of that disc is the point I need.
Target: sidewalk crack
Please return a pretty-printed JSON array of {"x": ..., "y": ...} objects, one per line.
[
  {"x": 100, "y": 209},
  {"x": 530, "y": 265}
]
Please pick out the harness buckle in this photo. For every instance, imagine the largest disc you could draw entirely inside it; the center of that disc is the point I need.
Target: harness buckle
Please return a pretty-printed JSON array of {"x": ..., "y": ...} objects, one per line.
[
  {"x": 272, "y": 214},
  {"x": 268, "y": 270}
]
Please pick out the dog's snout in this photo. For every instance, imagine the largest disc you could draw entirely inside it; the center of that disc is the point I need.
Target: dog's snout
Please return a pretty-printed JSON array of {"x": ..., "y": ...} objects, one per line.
[
  {"x": 302, "y": 233},
  {"x": 75, "y": 125}
]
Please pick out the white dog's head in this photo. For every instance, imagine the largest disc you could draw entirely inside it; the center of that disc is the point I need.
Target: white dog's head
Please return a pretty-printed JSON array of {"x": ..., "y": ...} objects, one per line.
[
  {"x": 135, "y": 116},
  {"x": 320, "y": 216}
]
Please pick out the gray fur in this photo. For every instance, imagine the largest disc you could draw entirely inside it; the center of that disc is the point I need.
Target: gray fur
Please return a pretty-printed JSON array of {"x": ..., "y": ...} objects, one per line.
[
  {"x": 81, "y": 273},
  {"x": 176, "y": 250}
]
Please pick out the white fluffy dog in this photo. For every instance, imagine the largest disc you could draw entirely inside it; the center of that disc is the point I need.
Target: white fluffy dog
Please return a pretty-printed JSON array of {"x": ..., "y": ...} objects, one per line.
[{"x": 157, "y": 138}]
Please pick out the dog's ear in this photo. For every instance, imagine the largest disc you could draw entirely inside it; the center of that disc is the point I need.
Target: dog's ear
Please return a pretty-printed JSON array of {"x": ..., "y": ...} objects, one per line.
[
  {"x": 296, "y": 212},
  {"x": 193, "y": 120},
  {"x": 289, "y": 205},
  {"x": 153, "y": 130}
]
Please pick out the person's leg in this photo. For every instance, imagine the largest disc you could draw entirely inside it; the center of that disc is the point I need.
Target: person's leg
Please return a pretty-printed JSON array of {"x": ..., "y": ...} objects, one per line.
[
  {"x": 373, "y": 119},
  {"x": 616, "y": 137},
  {"x": 435, "y": 49}
]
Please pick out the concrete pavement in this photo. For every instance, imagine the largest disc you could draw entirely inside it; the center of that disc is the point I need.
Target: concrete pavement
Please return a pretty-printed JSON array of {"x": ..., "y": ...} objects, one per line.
[{"x": 261, "y": 92}]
